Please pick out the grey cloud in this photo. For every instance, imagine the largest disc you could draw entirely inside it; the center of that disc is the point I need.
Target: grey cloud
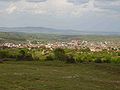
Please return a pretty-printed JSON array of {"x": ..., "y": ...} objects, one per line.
[
  {"x": 106, "y": 0},
  {"x": 77, "y": 2},
  {"x": 36, "y": 1},
  {"x": 9, "y": 0},
  {"x": 20, "y": 0},
  {"x": 113, "y": 5}
]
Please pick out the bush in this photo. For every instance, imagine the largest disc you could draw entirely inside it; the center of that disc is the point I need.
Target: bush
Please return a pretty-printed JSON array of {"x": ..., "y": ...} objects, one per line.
[
  {"x": 106, "y": 59},
  {"x": 24, "y": 54},
  {"x": 115, "y": 60},
  {"x": 4, "y": 54},
  {"x": 49, "y": 58},
  {"x": 79, "y": 59},
  {"x": 67, "y": 55},
  {"x": 118, "y": 53},
  {"x": 38, "y": 55},
  {"x": 29, "y": 57},
  {"x": 98, "y": 60},
  {"x": 83, "y": 57},
  {"x": 59, "y": 54},
  {"x": 70, "y": 59}
]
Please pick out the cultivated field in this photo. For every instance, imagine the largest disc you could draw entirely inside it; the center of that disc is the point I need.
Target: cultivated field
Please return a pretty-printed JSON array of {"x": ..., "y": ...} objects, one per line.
[{"x": 56, "y": 75}]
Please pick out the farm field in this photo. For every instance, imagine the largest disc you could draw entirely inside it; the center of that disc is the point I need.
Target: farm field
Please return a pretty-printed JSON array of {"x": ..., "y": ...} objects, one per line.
[{"x": 56, "y": 75}]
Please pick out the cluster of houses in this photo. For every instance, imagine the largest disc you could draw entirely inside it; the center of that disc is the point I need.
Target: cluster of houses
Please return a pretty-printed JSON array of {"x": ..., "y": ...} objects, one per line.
[{"x": 73, "y": 44}]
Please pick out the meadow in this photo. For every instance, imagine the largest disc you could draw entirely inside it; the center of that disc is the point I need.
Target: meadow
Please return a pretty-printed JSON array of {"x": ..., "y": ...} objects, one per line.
[{"x": 58, "y": 75}]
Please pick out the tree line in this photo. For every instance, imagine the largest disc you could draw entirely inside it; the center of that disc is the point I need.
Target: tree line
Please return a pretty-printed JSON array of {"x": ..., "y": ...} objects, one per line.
[{"x": 65, "y": 55}]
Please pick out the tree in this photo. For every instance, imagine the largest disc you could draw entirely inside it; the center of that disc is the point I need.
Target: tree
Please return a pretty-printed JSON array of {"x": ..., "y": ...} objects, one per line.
[
  {"x": 24, "y": 54},
  {"x": 59, "y": 54}
]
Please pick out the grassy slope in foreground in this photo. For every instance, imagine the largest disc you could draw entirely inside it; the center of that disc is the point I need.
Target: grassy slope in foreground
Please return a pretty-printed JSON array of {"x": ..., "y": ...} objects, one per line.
[{"x": 55, "y": 75}]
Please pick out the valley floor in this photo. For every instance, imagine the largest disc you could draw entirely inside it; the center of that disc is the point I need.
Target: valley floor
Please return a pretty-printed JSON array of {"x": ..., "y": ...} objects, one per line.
[{"x": 54, "y": 75}]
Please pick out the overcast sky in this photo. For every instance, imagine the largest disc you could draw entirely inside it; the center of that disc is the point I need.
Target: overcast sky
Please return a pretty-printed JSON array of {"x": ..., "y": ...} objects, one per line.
[{"x": 88, "y": 15}]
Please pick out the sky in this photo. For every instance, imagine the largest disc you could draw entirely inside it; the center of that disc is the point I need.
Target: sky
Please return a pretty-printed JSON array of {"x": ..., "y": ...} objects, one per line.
[{"x": 83, "y": 15}]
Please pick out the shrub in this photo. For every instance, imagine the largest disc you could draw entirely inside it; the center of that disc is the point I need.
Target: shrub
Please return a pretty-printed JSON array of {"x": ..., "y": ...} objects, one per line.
[
  {"x": 49, "y": 58},
  {"x": 118, "y": 53},
  {"x": 24, "y": 54},
  {"x": 29, "y": 57},
  {"x": 98, "y": 60},
  {"x": 106, "y": 59},
  {"x": 59, "y": 54},
  {"x": 79, "y": 59},
  {"x": 4, "y": 54},
  {"x": 115, "y": 60},
  {"x": 70, "y": 59},
  {"x": 36, "y": 55}
]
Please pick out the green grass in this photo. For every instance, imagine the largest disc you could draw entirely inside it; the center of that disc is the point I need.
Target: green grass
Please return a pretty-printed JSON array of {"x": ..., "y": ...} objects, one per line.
[{"x": 54, "y": 75}]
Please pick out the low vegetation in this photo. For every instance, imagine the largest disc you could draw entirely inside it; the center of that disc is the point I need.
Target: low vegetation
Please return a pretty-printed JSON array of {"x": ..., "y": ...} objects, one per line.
[{"x": 65, "y": 55}]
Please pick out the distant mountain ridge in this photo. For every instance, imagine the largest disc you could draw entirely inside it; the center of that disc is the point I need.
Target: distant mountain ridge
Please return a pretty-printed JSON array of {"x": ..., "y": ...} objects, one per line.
[{"x": 54, "y": 31}]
